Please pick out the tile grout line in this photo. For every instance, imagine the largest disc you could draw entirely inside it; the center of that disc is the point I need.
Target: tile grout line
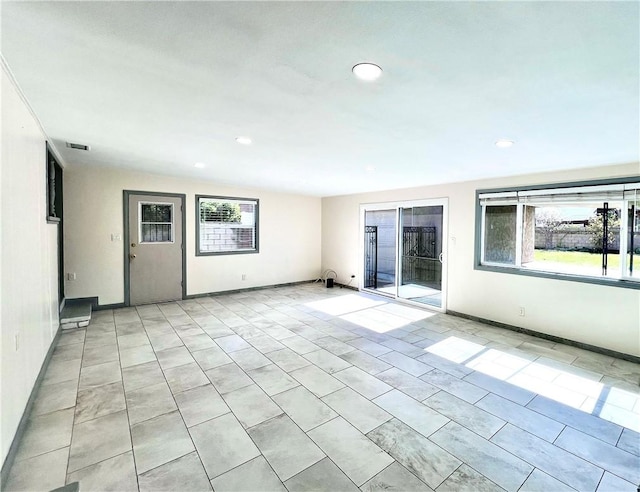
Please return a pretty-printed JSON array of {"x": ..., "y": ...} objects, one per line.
[
  {"x": 133, "y": 455},
  {"x": 73, "y": 422},
  {"x": 177, "y": 409},
  {"x": 249, "y": 435},
  {"x": 282, "y": 308},
  {"x": 296, "y": 424}
]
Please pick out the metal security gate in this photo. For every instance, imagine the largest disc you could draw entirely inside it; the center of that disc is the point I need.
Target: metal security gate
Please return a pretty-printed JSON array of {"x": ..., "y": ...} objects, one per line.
[
  {"x": 632, "y": 237},
  {"x": 419, "y": 255},
  {"x": 371, "y": 257}
]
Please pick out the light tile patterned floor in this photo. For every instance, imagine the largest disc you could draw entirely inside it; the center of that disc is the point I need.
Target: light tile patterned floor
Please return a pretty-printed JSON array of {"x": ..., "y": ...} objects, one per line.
[{"x": 306, "y": 388}]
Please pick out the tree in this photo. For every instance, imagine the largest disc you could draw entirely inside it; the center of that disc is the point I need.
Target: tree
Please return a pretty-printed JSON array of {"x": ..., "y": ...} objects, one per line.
[
  {"x": 596, "y": 228},
  {"x": 220, "y": 212},
  {"x": 549, "y": 221}
]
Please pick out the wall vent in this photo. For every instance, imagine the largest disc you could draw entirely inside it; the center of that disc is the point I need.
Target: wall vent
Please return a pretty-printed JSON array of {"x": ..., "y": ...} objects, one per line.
[{"x": 77, "y": 146}]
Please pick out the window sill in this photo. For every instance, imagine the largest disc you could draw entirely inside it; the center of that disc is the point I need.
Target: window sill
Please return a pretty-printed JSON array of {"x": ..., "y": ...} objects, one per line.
[
  {"x": 610, "y": 282},
  {"x": 223, "y": 253}
]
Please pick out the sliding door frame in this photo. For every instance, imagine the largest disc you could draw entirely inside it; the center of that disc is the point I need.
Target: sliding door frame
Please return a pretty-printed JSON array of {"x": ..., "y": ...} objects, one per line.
[{"x": 398, "y": 206}]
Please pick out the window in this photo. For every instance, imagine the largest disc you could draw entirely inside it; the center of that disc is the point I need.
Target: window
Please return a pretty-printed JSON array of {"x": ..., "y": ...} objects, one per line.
[
  {"x": 54, "y": 188},
  {"x": 156, "y": 223},
  {"x": 589, "y": 231},
  {"x": 226, "y": 225}
]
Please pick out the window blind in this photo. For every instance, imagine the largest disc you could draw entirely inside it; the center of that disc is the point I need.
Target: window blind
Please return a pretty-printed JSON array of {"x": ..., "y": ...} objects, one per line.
[{"x": 570, "y": 194}]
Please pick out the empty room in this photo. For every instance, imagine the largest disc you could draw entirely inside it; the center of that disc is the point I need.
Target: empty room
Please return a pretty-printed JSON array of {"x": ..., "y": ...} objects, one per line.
[{"x": 320, "y": 246}]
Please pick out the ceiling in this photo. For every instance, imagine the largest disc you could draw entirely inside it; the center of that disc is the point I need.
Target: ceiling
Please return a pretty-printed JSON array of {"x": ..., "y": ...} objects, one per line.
[{"x": 160, "y": 86}]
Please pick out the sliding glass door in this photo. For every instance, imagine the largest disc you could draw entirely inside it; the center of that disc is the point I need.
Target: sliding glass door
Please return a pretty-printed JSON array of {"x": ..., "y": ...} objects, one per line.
[
  {"x": 404, "y": 252},
  {"x": 421, "y": 254},
  {"x": 380, "y": 250}
]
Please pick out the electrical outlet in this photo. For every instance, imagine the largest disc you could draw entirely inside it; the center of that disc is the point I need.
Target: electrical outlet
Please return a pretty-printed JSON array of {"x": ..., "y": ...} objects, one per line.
[
  {"x": 116, "y": 237},
  {"x": 244, "y": 276},
  {"x": 521, "y": 311},
  {"x": 71, "y": 276}
]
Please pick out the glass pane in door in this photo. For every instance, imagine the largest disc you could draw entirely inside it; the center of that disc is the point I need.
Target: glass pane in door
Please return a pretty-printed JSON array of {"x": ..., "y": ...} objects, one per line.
[
  {"x": 380, "y": 250},
  {"x": 633, "y": 238},
  {"x": 421, "y": 255}
]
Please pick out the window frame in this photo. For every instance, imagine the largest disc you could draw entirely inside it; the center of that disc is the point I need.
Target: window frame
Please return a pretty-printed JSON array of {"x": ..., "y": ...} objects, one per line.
[
  {"x": 141, "y": 222},
  {"x": 256, "y": 225},
  {"x": 53, "y": 188},
  {"x": 516, "y": 269}
]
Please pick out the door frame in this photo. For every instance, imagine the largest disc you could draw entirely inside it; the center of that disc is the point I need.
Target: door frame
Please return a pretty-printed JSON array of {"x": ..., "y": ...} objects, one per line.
[
  {"x": 127, "y": 234},
  {"x": 397, "y": 205},
  {"x": 55, "y": 179}
]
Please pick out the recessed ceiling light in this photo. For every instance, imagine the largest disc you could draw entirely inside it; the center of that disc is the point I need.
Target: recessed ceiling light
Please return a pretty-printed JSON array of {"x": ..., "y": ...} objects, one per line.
[
  {"x": 503, "y": 143},
  {"x": 199, "y": 165},
  {"x": 367, "y": 71},
  {"x": 243, "y": 140}
]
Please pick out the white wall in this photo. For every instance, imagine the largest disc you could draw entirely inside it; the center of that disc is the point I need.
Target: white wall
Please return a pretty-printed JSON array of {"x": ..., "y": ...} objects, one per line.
[
  {"x": 289, "y": 235},
  {"x": 28, "y": 266},
  {"x": 599, "y": 315}
]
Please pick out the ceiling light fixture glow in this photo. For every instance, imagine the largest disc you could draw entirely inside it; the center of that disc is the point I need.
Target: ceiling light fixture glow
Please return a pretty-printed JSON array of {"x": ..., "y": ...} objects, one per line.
[
  {"x": 504, "y": 143},
  {"x": 243, "y": 140},
  {"x": 199, "y": 165},
  {"x": 367, "y": 71}
]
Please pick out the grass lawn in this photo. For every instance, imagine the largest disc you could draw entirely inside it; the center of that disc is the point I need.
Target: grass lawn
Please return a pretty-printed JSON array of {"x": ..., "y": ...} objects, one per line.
[{"x": 576, "y": 258}]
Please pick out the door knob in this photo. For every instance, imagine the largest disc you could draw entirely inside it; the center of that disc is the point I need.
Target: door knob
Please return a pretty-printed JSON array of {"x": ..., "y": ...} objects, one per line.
[{"x": 132, "y": 256}]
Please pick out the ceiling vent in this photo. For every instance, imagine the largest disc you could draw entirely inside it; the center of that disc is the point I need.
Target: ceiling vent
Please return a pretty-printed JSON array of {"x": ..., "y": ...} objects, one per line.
[{"x": 77, "y": 146}]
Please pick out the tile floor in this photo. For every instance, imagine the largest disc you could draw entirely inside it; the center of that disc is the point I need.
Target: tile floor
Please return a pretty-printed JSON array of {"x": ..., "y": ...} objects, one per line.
[{"x": 306, "y": 388}]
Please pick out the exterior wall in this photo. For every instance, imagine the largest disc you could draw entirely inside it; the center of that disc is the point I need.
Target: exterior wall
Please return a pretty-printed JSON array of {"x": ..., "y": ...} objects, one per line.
[
  {"x": 28, "y": 266},
  {"x": 289, "y": 228},
  {"x": 574, "y": 238},
  {"x": 216, "y": 237},
  {"x": 528, "y": 234},
  {"x": 386, "y": 244},
  {"x": 599, "y": 315}
]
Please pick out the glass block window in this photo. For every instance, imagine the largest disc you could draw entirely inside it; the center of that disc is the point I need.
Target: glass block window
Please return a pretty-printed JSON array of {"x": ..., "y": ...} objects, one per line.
[{"x": 156, "y": 223}]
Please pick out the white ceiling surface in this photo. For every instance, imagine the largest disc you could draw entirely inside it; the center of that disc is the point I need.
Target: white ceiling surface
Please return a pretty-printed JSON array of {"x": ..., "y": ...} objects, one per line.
[{"x": 160, "y": 86}]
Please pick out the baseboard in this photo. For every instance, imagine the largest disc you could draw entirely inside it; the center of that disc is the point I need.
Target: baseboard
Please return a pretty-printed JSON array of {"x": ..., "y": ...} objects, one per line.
[
  {"x": 347, "y": 286},
  {"x": 8, "y": 461},
  {"x": 103, "y": 307},
  {"x": 79, "y": 300},
  {"x": 247, "y": 289},
  {"x": 553, "y": 338},
  {"x": 95, "y": 303}
]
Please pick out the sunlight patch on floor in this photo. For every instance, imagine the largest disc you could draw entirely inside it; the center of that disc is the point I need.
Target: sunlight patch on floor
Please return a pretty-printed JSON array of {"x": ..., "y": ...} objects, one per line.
[
  {"x": 375, "y": 315},
  {"x": 376, "y": 320},
  {"x": 410, "y": 313},
  {"x": 563, "y": 383},
  {"x": 455, "y": 349},
  {"x": 344, "y": 304},
  {"x": 497, "y": 364}
]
